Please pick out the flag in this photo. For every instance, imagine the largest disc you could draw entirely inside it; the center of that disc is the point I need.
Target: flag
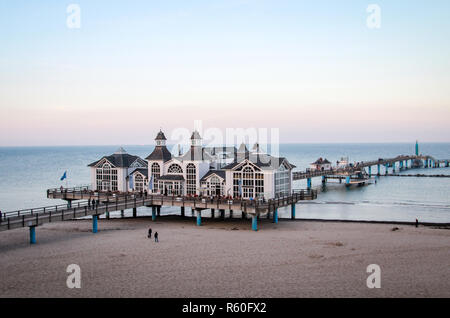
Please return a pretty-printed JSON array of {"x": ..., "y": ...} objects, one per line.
[
  {"x": 131, "y": 181},
  {"x": 64, "y": 176},
  {"x": 150, "y": 184}
]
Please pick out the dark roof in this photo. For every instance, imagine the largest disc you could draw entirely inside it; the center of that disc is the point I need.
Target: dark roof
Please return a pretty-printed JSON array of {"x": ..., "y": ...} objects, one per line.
[
  {"x": 220, "y": 173},
  {"x": 119, "y": 159},
  {"x": 230, "y": 151},
  {"x": 242, "y": 148},
  {"x": 160, "y": 136},
  {"x": 173, "y": 177},
  {"x": 144, "y": 171},
  {"x": 196, "y": 135},
  {"x": 321, "y": 161},
  {"x": 160, "y": 153},
  {"x": 261, "y": 160},
  {"x": 196, "y": 153}
]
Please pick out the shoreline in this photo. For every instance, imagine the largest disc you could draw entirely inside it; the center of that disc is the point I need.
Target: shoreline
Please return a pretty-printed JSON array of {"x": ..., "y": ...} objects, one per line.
[{"x": 225, "y": 259}]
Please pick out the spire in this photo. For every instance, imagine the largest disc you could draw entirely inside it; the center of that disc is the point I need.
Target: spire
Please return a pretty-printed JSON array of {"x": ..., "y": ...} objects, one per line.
[
  {"x": 120, "y": 151},
  {"x": 160, "y": 139},
  {"x": 196, "y": 139}
]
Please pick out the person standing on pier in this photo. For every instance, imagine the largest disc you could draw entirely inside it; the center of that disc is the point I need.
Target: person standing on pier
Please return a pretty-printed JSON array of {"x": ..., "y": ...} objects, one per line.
[{"x": 156, "y": 237}]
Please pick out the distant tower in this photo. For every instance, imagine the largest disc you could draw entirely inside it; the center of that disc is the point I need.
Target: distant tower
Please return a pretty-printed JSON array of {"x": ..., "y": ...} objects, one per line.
[
  {"x": 160, "y": 139},
  {"x": 417, "y": 147},
  {"x": 196, "y": 140}
]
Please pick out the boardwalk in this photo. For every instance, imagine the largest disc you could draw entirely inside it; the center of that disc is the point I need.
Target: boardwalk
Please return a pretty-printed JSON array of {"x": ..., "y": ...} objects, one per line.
[
  {"x": 123, "y": 201},
  {"x": 389, "y": 162}
]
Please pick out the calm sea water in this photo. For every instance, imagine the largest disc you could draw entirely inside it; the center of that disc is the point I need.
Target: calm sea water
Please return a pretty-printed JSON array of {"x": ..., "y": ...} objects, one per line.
[{"x": 26, "y": 173}]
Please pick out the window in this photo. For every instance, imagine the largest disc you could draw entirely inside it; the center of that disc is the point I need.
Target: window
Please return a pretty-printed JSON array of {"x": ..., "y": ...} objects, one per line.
[
  {"x": 191, "y": 179},
  {"x": 174, "y": 168},
  {"x": 236, "y": 177},
  {"x": 248, "y": 182},
  {"x": 215, "y": 186},
  {"x": 282, "y": 182},
  {"x": 156, "y": 172},
  {"x": 138, "y": 182},
  {"x": 106, "y": 178},
  {"x": 252, "y": 183}
]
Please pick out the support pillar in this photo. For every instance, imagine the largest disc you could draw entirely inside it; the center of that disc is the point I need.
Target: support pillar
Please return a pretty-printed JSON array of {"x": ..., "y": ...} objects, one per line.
[
  {"x": 94, "y": 223},
  {"x": 107, "y": 214},
  {"x": 446, "y": 164},
  {"x": 379, "y": 170},
  {"x": 182, "y": 211},
  {"x": 243, "y": 215},
  {"x": 222, "y": 214},
  {"x": 393, "y": 167},
  {"x": 293, "y": 211},
  {"x": 308, "y": 183},
  {"x": 275, "y": 216},
  {"x": 212, "y": 213},
  {"x": 387, "y": 168},
  {"x": 254, "y": 223},
  {"x": 153, "y": 213},
  {"x": 231, "y": 214},
  {"x": 370, "y": 171},
  {"x": 347, "y": 180},
  {"x": 122, "y": 213},
  {"x": 324, "y": 180},
  {"x": 401, "y": 165},
  {"x": 69, "y": 204},
  {"x": 134, "y": 212},
  {"x": 32, "y": 234},
  {"x": 199, "y": 217},
  {"x": 158, "y": 210}
]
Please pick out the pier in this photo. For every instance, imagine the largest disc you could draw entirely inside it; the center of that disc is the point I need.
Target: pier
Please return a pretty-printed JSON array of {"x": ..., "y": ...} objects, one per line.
[
  {"x": 109, "y": 202},
  {"x": 349, "y": 173},
  {"x": 79, "y": 200}
]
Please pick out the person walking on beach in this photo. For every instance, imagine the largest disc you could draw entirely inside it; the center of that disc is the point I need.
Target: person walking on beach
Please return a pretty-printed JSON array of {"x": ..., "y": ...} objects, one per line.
[
  {"x": 156, "y": 237},
  {"x": 417, "y": 223},
  {"x": 150, "y": 233},
  {"x": 93, "y": 204}
]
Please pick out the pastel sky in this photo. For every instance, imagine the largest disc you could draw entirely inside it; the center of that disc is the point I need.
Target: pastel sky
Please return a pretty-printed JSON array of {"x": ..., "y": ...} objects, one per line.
[{"x": 313, "y": 69}]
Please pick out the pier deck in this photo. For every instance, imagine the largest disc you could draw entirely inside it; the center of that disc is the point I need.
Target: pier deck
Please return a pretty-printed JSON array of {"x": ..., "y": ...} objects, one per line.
[
  {"x": 300, "y": 175},
  {"x": 124, "y": 201}
]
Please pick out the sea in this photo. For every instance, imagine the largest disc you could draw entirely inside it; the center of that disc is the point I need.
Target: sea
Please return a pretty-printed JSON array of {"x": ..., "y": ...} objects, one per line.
[{"x": 27, "y": 172}]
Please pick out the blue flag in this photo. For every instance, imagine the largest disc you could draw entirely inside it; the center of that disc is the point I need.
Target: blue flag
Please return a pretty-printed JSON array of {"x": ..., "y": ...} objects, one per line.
[
  {"x": 150, "y": 184},
  {"x": 64, "y": 176},
  {"x": 131, "y": 182}
]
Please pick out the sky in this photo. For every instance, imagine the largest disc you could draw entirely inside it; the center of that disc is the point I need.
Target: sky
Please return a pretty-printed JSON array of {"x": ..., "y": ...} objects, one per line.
[{"x": 314, "y": 70}]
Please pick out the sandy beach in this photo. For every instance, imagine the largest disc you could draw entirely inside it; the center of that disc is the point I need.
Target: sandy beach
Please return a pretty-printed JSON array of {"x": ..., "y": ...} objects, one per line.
[{"x": 225, "y": 259}]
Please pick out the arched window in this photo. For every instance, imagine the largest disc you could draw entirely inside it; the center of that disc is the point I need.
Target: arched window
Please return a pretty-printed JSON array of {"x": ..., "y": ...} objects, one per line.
[
  {"x": 216, "y": 186},
  {"x": 248, "y": 182},
  {"x": 191, "y": 179},
  {"x": 174, "y": 168},
  {"x": 156, "y": 172},
  {"x": 107, "y": 178},
  {"x": 138, "y": 182}
]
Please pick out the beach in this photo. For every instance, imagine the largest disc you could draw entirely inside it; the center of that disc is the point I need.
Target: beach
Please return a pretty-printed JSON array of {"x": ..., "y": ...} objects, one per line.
[{"x": 225, "y": 259}]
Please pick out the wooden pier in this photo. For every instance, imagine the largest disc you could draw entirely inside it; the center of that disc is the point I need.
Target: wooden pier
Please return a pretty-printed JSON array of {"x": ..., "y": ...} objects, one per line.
[
  {"x": 348, "y": 172},
  {"x": 109, "y": 202}
]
